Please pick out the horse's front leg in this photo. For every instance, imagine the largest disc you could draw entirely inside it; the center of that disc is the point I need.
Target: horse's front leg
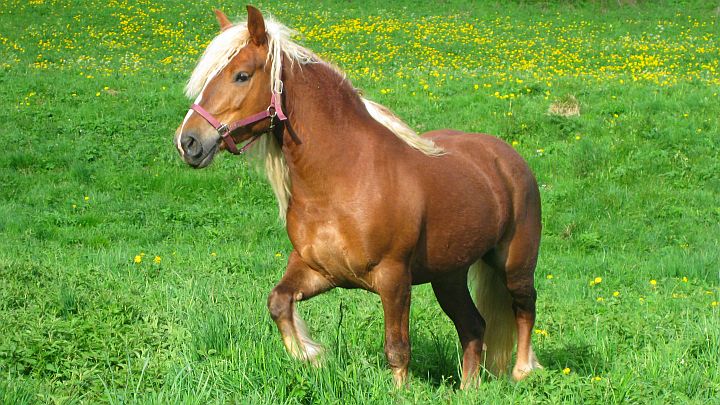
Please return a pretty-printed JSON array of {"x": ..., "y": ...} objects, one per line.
[
  {"x": 393, "y": 283},
  {"x": 300, "y": 282}
]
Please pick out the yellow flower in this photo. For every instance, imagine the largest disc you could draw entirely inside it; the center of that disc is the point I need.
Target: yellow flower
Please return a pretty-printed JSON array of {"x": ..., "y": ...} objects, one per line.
[
  {"x": 597, "y": 280},
  {"x": 157, "y": 259},
  {"x": 515, "y": 143},
  {"x": 684, "y": 279},
  {"x": 549, "y": 276},
  {"x": 714, "y": 304},
  {"x": 566, "y": 370},
  {"x": 600, "y": 299},
  {"x": 476, "y": 87},
  {"x": 278, "y": 254},
  {"x": 213, "y": 254},
  {"x": 577, "y": 137},
  {"x": 87, "y": 198},
  {"x": 597, "y": 378},
  {"x": 138, "y": 259},
  {"x": 653, "y": 283},
  {"x": 541, "y": 332},
  {"x": 616, "y": 294}
]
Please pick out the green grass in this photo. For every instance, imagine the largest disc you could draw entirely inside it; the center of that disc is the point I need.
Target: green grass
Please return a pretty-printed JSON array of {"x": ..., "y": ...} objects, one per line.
[{"x": 90, "y": 180}]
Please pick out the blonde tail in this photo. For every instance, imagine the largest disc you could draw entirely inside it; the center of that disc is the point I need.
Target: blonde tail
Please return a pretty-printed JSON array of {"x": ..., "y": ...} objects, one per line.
[{"x": 494, "y": 303}]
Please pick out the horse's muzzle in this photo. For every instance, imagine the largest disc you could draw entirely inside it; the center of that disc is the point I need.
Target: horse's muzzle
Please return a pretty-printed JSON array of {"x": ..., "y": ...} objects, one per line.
[{"x": 194, "y": 151}]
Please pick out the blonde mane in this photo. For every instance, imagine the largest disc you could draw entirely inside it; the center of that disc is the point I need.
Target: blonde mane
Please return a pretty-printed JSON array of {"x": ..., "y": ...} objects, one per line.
[{"x": 229, "y": 42}]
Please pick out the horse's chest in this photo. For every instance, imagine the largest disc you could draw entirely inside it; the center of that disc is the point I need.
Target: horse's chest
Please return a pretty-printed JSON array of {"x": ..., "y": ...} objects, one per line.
[{"x": 334, "y": 250}]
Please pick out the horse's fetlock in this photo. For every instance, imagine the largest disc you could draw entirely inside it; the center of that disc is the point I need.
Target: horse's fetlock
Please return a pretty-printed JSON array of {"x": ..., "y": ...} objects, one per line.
[{"x": 398, "y": 355}]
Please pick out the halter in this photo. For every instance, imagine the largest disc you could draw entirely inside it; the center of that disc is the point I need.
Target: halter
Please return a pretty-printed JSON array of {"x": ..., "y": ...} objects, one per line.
[{"x": 272, "y": 111}]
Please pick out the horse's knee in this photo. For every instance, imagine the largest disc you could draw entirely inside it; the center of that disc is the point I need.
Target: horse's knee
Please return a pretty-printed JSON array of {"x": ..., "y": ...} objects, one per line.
[{"x": 279, "y": 303}]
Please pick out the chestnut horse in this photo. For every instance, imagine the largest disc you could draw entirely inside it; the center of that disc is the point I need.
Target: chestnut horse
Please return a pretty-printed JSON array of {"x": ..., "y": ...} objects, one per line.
[{"x": 370, "y": 204}]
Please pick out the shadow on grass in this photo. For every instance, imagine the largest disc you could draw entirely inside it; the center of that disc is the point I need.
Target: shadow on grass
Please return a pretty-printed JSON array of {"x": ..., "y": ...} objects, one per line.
[
  {"x": 437, "y": 360},
  {"x": 580, "y": 358}
]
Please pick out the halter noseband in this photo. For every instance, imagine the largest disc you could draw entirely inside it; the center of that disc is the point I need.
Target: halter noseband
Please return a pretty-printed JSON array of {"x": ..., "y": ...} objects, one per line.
[{"x": 272, "y": 111}]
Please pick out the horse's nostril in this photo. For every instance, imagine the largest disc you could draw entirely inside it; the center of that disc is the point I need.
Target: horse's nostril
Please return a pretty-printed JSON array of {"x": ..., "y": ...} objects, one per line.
[{"x": 191, "y": 146}]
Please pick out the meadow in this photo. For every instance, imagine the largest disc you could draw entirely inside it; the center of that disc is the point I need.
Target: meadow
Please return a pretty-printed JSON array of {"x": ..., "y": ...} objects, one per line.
[{"x": 125, "y": 278}]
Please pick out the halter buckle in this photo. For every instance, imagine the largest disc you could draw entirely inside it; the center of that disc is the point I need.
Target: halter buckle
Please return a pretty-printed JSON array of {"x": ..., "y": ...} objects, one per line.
[{"x": 223, "y": 130}]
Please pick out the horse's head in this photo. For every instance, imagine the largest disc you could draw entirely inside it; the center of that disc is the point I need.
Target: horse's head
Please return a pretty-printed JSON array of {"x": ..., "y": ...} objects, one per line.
[{"x": 231, "y": 83}]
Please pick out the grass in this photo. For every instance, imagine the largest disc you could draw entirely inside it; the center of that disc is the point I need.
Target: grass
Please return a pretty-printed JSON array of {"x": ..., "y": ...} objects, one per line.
[{"x": 125, "y": 278}]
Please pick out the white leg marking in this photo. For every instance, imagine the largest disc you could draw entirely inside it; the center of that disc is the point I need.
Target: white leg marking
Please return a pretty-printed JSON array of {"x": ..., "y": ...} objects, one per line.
[{"x": 521, "y": 371}]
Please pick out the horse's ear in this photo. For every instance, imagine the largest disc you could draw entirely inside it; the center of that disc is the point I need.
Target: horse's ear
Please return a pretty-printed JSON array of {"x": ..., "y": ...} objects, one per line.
[
  {"x": 222, "y": 20},
  {"x": 256, "y": 26}
]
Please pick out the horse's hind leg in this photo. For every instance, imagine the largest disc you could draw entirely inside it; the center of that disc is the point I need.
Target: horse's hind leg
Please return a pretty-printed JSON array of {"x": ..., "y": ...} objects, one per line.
[
  {"x": 518, "y": 259},
  {"x": 454, "y": 297},
  {"x": 300, "y": 282}
]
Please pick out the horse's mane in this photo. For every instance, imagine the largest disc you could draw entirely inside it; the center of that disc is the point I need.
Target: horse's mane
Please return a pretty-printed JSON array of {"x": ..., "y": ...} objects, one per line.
[{"x": 230, "y": 41}]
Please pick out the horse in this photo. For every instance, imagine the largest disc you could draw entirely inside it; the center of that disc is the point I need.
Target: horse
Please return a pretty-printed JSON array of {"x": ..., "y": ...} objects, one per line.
[{"x": 368, "y": 203}]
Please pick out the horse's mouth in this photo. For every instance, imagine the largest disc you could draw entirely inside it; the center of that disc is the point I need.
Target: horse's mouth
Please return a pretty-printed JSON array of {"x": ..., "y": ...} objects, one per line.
[{"x": 205, "y": 160}]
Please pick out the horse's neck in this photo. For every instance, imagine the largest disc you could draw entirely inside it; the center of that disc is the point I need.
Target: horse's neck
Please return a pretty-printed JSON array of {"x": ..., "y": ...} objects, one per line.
[{"x": 330, "y": 134}]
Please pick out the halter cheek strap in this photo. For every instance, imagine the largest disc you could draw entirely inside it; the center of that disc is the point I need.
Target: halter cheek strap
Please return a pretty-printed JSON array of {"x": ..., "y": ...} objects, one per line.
[{"x": 272, "y": 111}]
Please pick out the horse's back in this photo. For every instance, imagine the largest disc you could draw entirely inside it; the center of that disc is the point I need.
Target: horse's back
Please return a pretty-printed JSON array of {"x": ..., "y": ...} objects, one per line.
[{"x": 489, "y": 155}]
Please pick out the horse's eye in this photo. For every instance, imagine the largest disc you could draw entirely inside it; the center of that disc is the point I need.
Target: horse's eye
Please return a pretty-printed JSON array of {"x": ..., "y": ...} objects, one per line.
[{"x": 242, "y": 77}]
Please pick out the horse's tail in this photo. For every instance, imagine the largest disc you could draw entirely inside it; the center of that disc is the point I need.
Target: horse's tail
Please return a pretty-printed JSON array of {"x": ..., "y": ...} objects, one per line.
[{"x": 494, "y": 303}]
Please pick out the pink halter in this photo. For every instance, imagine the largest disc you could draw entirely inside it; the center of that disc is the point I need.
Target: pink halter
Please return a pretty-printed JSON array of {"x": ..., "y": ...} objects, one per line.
[{"x": 272, "y": 111}]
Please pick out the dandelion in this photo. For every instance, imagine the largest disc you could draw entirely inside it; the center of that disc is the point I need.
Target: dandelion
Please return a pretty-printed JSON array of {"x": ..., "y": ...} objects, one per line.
[
  {"x": 541, "y": 332},
  {"x": 278, "y": 254},
  {"x": 566, "y": 370},
  {"x": 653, "y": 283},
  {"x": 577, "y": 137},
  {"x": 600, "y": 299},
  {"x": 616, "y": 293},
  {"x": 157, "y": 260},
  {"x": 515, "y": 143},
  {"x": 138, "y": 259},
  {"x": 714, "y": 304},
  {"x": 86, "y": 198},
  {"x": 684, "y": 279},
  {"x": 549, "y": 277},
  {"x": 596, "y": 281},
  {"x": 213, "y": 254},
  {"x": 476, "y": 87},
  {"x": 597, "y": 378}
]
